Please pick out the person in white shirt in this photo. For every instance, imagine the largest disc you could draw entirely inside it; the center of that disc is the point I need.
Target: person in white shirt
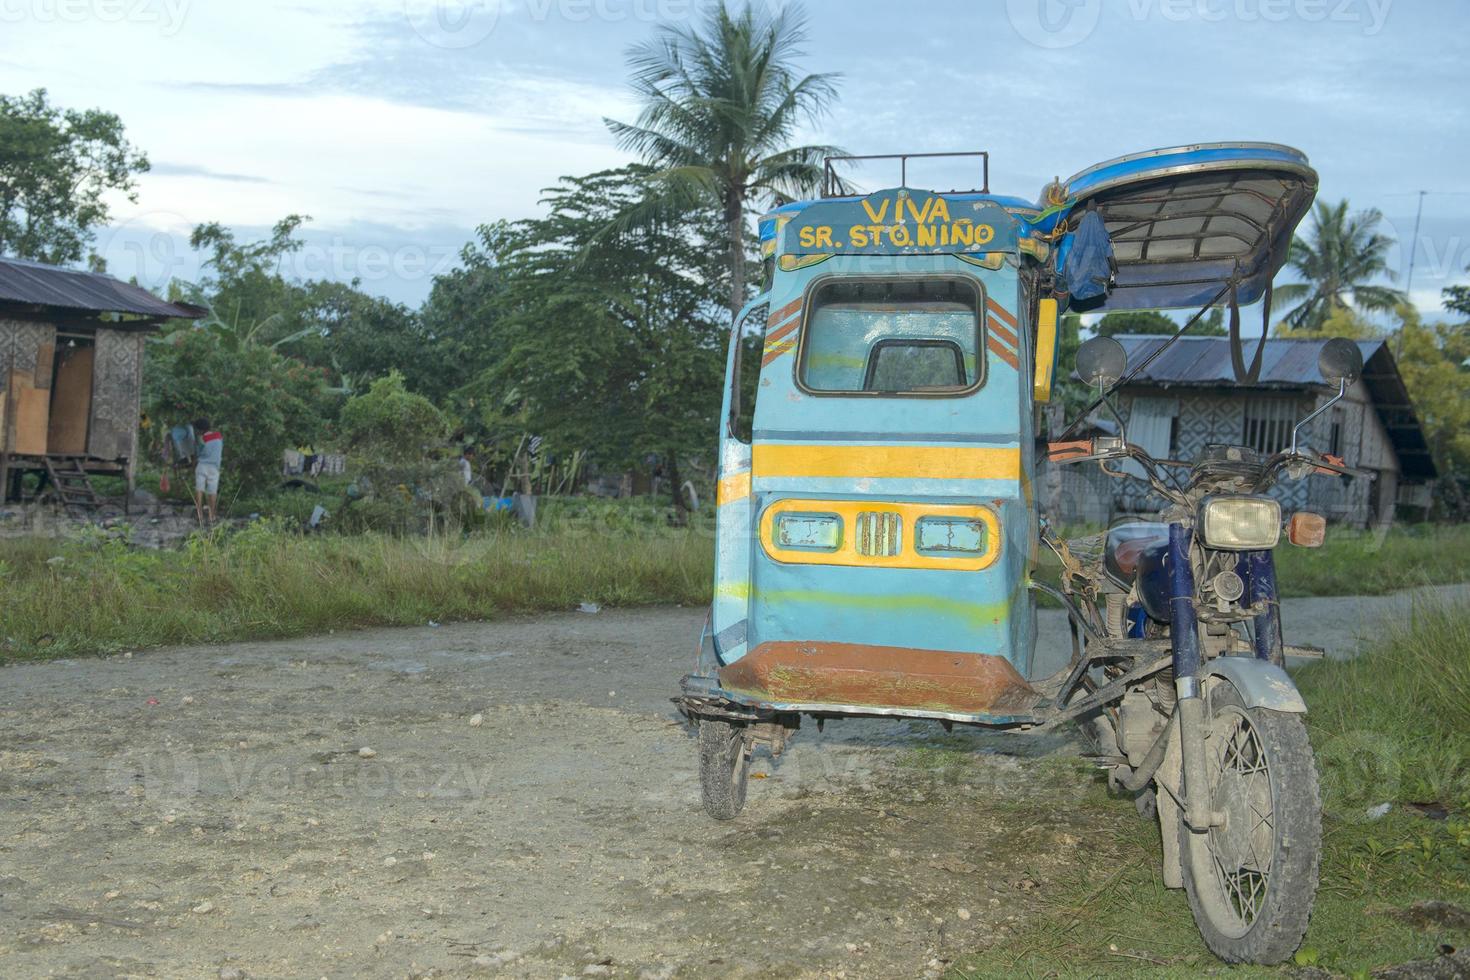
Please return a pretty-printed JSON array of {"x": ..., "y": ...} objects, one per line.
[{"x": 467, "y": 465}]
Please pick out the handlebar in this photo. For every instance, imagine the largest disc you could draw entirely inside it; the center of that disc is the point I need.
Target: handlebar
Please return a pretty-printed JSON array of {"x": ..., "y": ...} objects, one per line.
[
  {"x": 1309, "y": 462},
  {"x": 1296, "y": 464}
]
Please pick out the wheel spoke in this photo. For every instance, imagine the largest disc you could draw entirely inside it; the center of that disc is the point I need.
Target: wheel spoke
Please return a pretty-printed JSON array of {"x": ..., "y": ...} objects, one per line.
[{"x": 1243, "y": 789}]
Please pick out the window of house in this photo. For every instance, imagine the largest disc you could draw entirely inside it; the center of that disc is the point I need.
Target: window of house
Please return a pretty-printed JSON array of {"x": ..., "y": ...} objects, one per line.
[
  {"x": 893, "y": 337},
  {"x": 1334, "y": 436},
  {"x": 1153, "y": 425},
  {"x": 1268, "y": 424}
]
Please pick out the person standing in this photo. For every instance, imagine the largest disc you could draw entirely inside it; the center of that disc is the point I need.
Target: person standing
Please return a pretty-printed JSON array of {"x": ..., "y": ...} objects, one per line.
[{"x": 211, "y": 447}]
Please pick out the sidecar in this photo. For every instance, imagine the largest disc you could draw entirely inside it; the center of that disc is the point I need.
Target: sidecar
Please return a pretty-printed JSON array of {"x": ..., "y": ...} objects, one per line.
[{"x": 878, "y": 527}]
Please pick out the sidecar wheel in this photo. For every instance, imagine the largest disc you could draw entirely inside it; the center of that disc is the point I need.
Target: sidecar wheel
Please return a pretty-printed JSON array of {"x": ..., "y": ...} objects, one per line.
[
  {"x": 724, "y": 767},
  {"x": 1251, "y": 882}
]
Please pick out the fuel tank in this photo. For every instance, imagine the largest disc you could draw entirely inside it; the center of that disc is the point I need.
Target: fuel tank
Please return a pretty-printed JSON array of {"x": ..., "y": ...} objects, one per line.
[{"x": 1134, "y": 551}]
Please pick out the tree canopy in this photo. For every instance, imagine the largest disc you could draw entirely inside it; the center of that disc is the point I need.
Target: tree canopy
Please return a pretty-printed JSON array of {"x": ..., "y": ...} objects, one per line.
[
  {"x": 615, "y": 345},
  {"x": 1338, "y": 258},
  {"x": 722, "y": 105},
  {"x": 56, "y": 166}
]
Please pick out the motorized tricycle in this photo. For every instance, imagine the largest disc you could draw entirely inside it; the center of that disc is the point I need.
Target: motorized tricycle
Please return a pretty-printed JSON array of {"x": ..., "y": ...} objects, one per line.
[{"x": 878, "y": 527}]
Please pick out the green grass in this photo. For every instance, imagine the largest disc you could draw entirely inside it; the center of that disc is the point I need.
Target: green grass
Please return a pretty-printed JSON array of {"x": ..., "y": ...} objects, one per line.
[
  {"x": 1392, "y": 726},
  {"x": 95, "y": 594},
  {"x": 1349, "y": 563},
  {"x": 1369, "y": 563}
]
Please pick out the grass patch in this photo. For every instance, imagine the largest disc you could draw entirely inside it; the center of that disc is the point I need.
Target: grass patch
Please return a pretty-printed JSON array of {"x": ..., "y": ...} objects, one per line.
[
  {"x": 1349, "y": 563},
  {"x": 96, "y": 594},
  {"x": 1368, "y": 563},
  {"x": 1392, "y": 726}
]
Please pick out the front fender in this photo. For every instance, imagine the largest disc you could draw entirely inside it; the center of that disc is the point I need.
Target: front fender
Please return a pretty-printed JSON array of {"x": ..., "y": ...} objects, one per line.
[{"x": 1261, "y": 684}]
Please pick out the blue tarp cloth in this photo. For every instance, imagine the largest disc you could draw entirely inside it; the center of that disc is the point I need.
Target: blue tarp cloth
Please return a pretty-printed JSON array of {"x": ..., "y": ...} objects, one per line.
[{"x": 1086, "y": 259}]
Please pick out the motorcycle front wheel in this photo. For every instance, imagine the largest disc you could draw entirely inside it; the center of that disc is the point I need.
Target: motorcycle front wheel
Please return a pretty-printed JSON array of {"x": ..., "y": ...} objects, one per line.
[{"x": 1252, "y": 879}]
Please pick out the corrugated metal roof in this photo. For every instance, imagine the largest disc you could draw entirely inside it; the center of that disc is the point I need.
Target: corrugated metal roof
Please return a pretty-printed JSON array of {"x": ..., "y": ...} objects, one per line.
[
  {"x": 1205, "y": 362},
  {"x": 38, "y": 284}
]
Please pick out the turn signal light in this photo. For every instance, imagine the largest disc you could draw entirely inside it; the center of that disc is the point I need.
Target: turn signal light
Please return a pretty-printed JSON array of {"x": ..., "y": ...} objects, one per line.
[{"x": 1306, "y": 530}]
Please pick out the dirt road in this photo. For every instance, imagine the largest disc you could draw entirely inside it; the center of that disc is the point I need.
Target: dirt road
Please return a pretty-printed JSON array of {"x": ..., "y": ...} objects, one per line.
[{"x": 503, "y": 799}]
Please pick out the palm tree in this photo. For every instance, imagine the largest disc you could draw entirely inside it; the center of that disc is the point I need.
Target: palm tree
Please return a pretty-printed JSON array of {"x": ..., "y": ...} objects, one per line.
[
  {"x": 1337, "y": 259},
  {"x": 720, "y": 108}
]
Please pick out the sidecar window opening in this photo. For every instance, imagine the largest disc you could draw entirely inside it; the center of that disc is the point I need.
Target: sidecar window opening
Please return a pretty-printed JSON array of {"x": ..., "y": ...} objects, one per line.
[{"x": 893, "y": 337}]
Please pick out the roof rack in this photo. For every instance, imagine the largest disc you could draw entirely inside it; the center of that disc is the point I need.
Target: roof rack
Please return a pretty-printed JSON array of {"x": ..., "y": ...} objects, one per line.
[{"x": 832, "y": 184}]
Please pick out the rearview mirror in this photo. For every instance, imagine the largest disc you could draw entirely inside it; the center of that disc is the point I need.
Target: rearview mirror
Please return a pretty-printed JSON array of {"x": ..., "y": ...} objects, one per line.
[
  {"x": 1101, "y": 361},
  {"x": 1341, "y": 362}
]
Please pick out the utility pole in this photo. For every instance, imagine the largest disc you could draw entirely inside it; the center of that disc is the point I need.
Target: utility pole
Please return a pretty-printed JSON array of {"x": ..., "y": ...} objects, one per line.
[
  {"x": 1414, "y": 242},
  {"x": 1409, "y": 283}
]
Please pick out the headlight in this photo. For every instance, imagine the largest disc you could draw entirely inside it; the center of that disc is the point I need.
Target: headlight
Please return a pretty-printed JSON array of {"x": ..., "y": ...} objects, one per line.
[{"x": 1240, "y": 523}]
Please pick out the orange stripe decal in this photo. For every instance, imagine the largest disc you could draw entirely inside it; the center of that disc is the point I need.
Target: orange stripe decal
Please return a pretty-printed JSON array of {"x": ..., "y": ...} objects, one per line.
[
  {"x": 777, "y": 351},
  {"x": 784, "y": 312},
  {"x": 776, "y": 335},
  {"x": 998, "y": 331},
  {"x": 1005, "y": 355},
  {"x": 1001, "y": 313}
]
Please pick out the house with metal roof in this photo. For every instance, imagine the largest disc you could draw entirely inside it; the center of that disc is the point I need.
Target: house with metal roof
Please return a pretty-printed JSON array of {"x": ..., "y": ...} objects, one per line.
[
  {"x": 71, "y": 375},
  {"x": 1189, "y": 398}
]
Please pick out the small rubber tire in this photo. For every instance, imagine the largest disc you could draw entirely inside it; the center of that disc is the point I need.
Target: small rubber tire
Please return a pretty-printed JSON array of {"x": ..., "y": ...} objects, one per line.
[
  {"x": 1295, "y": 835},
  {"x": 724, "y": 767}
]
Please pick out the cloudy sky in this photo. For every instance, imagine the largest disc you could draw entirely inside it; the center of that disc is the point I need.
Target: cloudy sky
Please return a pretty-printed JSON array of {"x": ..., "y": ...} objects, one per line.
[{"x": 401, "y": 125}]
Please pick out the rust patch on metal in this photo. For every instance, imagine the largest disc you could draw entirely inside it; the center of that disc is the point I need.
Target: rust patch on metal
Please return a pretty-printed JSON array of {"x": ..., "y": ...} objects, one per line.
[{"x": 883, "y": 677}]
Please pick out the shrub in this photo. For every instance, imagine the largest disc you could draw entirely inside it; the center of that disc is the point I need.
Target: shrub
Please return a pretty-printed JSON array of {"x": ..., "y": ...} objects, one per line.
[
  {"x": 392, "y": 423},
  {"x": 261, "y": 401}
]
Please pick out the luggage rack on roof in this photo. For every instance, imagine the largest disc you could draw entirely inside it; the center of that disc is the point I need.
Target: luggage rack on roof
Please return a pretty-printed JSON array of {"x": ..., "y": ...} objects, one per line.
[{"x": 833, "y": 185}]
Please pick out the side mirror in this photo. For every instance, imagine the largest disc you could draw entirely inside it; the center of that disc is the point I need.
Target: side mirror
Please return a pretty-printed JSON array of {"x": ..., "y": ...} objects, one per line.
[
  {"x": 1341, "y": 362},
  {"x": 1101, "y": 361}
]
